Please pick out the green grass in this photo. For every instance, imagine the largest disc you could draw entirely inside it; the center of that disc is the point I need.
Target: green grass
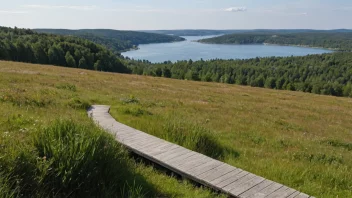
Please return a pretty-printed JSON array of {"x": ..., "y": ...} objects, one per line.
[
  {"x": 297, "y": 139},
  {"x": 49, "y": 147},
  {"x": 69, "y": 160}
]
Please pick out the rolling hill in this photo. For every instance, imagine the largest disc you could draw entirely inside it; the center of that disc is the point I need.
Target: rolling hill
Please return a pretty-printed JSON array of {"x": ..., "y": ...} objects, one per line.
[
  {"x": 115, "y": 40},
  {"x": 301, "y": 140}
]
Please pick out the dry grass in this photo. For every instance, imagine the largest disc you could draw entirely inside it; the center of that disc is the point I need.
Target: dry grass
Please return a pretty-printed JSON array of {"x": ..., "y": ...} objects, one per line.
[{"x": 298, "y": 139}]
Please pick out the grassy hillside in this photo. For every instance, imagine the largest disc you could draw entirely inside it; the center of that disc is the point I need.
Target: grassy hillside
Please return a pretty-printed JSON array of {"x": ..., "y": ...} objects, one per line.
[
  {"x": 298, "y": 139},
  {"x": 115, "y": 40}
]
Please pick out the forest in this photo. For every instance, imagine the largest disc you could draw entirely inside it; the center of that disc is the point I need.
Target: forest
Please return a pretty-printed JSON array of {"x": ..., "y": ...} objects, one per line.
[
  {"x": 23, "y": 45},
  {"x": 337, "y": 40},
  {"x": 327, "y": 74},
  {"x": 115, "y": 40}
]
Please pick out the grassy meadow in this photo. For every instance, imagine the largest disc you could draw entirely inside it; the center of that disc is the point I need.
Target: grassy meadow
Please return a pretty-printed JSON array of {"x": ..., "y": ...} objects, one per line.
[{"x": 301, "y": 140}]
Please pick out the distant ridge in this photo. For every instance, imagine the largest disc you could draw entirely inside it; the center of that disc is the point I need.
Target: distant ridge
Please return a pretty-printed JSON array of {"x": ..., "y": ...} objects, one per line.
[
  {"x": 115, "y": 40},
  {"x": 207, "y": 32}
]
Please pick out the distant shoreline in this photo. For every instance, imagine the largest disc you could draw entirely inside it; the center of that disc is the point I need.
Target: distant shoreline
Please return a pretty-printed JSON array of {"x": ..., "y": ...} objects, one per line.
[{"x": 305, "y": 46}]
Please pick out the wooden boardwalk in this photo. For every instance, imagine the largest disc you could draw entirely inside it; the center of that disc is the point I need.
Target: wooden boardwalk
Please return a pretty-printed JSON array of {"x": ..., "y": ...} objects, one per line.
[{"x": 192, "y": 165}]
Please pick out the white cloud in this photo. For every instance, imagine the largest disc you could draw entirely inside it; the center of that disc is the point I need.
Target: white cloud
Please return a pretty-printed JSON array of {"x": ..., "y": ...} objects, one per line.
[
  {"x": 303, "y": 13},
  {"x": 12, "y": 12},
  {"x": 74, "y": 7},
  {"x": 236, "y": 9}
]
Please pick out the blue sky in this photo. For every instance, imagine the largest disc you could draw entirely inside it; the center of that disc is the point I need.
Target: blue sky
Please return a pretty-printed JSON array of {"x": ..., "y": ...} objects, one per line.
[{"x": 180, "y": 14}]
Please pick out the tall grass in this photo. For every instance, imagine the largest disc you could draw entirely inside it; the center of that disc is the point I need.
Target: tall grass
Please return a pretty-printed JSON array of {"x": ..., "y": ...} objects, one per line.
[
  {"x": 6, "y": 188},
  {"x": 68, "y": 160},
  {"x": 194, "y": 137}
]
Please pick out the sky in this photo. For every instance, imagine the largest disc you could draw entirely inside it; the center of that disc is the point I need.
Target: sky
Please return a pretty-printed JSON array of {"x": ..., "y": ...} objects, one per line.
[{"x": 177, "y": 14}]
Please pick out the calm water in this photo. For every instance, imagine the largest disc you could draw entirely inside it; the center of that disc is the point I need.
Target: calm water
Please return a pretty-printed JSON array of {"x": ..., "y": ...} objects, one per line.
[{"x": 193, "y": 50}]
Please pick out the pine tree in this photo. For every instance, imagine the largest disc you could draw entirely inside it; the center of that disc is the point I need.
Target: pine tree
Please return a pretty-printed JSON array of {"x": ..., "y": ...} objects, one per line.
[{"x": 70, "y": 61}]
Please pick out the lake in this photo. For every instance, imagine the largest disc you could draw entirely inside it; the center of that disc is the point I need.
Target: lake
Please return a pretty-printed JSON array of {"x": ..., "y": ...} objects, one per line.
[{"x": 190, "y": 49}]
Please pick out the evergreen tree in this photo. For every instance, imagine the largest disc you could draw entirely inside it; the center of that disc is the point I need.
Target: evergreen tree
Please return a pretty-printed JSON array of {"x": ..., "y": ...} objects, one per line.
[
  {"x": 82, "y": 63},
  {"x": 166, "y": 73},
  {"x": 158, "y": 72},
  {"x": 70, "y": 61}
]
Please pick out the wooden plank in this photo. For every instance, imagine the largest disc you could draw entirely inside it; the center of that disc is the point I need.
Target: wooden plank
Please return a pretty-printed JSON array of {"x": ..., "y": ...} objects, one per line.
[
  {"x": 206, "y": 167},
  {"x": 254, "y": 192},
  {"x": 156, "y": 146},
  {"x": 232, "y": 179},
  {"x": 145, "y": 143},
  {"x": 302, "y": 195},
  {"x": 134, "y": 138},
  {"x": 158, "y": 150},
  {"x": 216, "y": 173},
  {"x": 233, "y": 173},
  {"x": 237, "y": 190},
  {"x": 186, "y": 167},
  {"x": 180, "y": 159},
  {"x": 195, "y": 166},
  {"x": 293, "y": 195},
  {"x": 147, "y": 146},
  {"x": 282, "y": 193},
  {"x": 176, "y": 162},
  {"x": 168, "y": 153},
  {"x": 270, "y": 189},
  {"x": 222, "y": 181},
  {"x": 175, "y": 153},
  {"x": 238, "y": 182}
]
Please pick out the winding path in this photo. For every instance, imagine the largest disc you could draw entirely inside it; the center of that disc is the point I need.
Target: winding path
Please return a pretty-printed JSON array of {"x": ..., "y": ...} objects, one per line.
[{"x": 192, "y": 165}]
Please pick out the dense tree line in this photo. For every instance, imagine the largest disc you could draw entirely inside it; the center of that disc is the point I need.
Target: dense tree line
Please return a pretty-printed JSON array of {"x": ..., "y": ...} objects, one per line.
[
  {"x": 334, "y": 40},
  {"x": 25, "y": 45},
  {"x": 115, "y": 40},
  {"x": 115, "y": 45},
  {"x": 328, "y": 74}
]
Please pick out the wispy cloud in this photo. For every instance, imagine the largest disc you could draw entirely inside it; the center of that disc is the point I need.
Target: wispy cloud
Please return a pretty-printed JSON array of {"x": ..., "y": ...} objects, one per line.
[
  {"x": 74, "y": 7},
  {"x": 236, "y": 9},
  {"x": 13, "y": 12}
]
